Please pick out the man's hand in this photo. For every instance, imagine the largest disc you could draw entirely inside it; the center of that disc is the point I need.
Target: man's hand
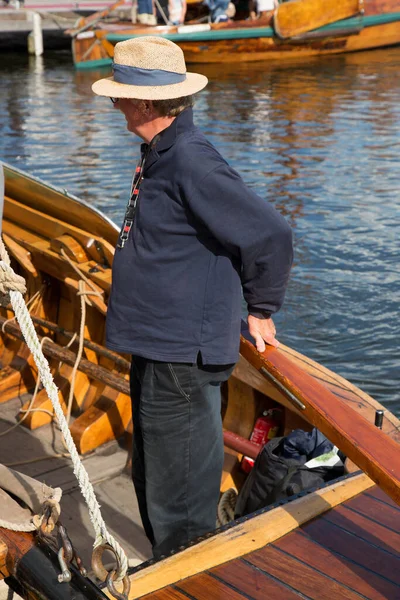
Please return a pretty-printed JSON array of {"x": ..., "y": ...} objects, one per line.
[{"x": 262, "y": 330}]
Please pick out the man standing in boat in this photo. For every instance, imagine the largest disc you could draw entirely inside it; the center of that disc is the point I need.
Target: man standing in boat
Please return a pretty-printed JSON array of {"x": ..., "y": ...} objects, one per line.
[{"x": 193, "y": 239}]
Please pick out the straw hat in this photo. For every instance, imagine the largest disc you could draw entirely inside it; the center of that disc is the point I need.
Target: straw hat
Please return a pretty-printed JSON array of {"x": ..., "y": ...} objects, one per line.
[{"x": 149, "y": 68}]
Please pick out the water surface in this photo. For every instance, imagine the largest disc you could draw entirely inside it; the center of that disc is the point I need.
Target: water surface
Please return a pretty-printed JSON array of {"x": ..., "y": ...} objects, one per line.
[{"x": 320, "y": 141}]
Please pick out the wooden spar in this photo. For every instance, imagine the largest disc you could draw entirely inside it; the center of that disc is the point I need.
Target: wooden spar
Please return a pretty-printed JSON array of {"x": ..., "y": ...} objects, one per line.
[
  {"x": 94, "y": 18},
  {"x": 299, "y": 16},
  {"x": 100, "y": 350},
  {"x": 367, "y": 446},
  {"x": 240, "y": 444},
  {"x": 117, "y": 382},
  {"x": 33, "y": 569},
  {"x": 66, "y": 356}
]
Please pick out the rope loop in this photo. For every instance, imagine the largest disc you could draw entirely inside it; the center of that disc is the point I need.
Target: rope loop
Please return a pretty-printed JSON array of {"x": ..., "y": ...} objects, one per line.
[
  {"x": 9, "y": 282},
  {"x": 226, "y": 507},
  {"x": 97, "y": 563}
]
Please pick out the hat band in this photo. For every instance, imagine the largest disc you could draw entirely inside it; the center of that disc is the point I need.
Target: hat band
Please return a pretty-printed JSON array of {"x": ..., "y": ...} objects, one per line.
[{"x": 149, "y": 77}]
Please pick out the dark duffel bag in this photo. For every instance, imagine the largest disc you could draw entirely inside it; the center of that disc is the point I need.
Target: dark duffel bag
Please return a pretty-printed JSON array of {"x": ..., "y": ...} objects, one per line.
[{"x": 275, "y": 477}]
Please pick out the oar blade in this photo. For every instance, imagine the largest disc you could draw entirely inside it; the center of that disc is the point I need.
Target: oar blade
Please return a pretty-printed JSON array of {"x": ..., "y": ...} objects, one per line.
[{"x": 300, "y": 16}]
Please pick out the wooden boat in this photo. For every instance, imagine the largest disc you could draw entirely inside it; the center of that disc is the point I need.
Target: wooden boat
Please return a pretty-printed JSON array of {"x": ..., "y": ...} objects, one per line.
[
  {"x": 297, "y": 30},
  {"x": 338, "y": 541}
]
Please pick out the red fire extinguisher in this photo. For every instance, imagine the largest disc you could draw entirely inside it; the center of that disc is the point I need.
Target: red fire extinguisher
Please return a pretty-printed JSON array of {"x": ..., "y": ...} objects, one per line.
[{"x": 266, "y": 427}]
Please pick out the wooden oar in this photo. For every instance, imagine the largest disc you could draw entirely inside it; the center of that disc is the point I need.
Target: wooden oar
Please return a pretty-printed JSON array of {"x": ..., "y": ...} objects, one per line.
[
  {"x": 53, "y": 350},
  {"x": 367, "y": 446},
  {"x": 299, "y": 16}
]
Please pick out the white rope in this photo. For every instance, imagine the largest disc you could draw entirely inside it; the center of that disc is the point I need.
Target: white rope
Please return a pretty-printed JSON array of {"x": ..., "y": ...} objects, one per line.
[
  {"x": 81, "y": 274},
  {"x": 23, "y": 526},
  {"x": 80, "y": 349},
  {"x": 32, "y": 341}
]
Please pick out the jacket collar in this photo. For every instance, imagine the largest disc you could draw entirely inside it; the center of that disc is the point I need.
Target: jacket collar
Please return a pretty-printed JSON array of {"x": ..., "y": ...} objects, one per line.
[{"x": 167, "y": 137}]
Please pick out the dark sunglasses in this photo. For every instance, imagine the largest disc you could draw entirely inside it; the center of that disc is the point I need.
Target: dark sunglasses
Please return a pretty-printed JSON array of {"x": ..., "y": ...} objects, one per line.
[{"x": 114, "y": 100}]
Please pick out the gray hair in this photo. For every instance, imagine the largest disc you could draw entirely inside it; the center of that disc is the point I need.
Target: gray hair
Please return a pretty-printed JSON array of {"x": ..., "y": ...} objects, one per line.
[{"x": 174, "y": 106}]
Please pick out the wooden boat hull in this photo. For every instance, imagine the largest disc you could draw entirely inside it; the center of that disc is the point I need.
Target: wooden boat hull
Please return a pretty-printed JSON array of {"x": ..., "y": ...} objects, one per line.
[
  {"x": 340, "y": 542},
  {"x": 55, "y": 241},
  {"x": 247, "y": 41}
]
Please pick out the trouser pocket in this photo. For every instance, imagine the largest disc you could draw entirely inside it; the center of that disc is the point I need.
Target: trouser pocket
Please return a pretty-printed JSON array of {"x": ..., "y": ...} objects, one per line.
[{"x": 181, "y": 374}]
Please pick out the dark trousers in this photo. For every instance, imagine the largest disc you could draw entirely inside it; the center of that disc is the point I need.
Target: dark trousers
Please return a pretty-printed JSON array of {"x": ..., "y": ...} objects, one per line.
[{"x": 177, "y": 448}]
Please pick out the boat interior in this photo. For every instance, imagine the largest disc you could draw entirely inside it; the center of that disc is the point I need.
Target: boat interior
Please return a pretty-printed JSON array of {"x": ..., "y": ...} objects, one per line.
[{"x": 63, "y": 249}]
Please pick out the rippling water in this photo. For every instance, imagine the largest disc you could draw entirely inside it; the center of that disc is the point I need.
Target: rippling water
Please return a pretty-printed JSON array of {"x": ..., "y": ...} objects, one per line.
[{"x": 321, "y": 142}]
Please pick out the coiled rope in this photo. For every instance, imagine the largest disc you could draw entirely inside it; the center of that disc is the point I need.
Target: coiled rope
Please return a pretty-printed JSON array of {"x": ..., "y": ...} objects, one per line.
[
  {"x": 11, "y": 288},
  {"x": 226, "y": 507}
]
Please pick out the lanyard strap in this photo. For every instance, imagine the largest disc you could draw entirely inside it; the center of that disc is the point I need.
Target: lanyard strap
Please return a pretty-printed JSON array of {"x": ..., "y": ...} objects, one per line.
[
  {"x": 135, "y": 187},
  {"x": 132, "y": 204}
]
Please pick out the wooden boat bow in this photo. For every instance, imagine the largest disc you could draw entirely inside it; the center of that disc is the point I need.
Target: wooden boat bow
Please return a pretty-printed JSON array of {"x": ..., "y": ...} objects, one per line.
[{"x": 367, "y": 446}]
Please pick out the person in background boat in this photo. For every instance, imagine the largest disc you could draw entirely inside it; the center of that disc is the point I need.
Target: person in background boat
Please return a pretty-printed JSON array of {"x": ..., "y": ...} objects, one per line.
[
  {"x": 176, "y": 11},
  {"x": 220, "y": 10},
  {"x": 263, "y": 7},
  {"x": 145, "y": 12},
  {"x": 193, "y": 239}
]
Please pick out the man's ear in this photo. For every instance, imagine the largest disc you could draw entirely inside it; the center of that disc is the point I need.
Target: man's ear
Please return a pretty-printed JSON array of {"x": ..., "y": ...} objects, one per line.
[
  {"x": 148, "y": 106},
  {"x": 143, "y": 106}
]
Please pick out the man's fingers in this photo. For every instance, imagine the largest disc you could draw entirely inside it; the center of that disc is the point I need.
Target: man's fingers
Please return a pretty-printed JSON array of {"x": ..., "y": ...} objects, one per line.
[
  {"x": 263, "y": 331},
  {"x": 260, "y": 345},
  {"x": 272, "y": 341},
  {"x": 269, "y": 339}
]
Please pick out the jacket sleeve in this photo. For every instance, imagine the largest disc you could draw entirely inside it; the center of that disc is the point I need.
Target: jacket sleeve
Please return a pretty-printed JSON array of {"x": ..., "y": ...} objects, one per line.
[{"x": 252, "y": 230}]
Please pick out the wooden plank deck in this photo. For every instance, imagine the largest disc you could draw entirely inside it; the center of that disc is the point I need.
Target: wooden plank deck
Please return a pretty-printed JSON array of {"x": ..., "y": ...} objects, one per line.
[
  {"x": 112, "y": 484},
  {"x": 351, "y": 552}
]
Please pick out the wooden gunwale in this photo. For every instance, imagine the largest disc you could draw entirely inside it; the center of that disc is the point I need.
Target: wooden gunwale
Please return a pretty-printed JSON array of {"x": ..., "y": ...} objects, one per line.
[
  {"x": 50, "y": 200},
  {"x": 246, "y": 32},
  {"x": 334, "y": 418}
]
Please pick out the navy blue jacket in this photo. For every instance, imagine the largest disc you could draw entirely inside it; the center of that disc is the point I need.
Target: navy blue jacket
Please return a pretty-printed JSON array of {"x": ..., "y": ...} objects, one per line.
[{"x": 199, "y": 238}]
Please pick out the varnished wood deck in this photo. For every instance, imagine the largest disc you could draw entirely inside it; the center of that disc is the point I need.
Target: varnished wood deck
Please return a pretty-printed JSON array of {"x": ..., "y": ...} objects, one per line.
[{"x": 351, "y": 552}]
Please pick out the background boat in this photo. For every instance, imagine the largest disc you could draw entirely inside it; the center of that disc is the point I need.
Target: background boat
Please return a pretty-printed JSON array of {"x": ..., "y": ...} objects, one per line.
[
  {"x": 56, "y": 241},
  {"x": 297, "y": 31}
]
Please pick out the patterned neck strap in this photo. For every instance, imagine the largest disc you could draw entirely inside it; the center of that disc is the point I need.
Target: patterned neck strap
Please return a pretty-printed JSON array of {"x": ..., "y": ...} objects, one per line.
[{"x": 133, "y": 200}]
